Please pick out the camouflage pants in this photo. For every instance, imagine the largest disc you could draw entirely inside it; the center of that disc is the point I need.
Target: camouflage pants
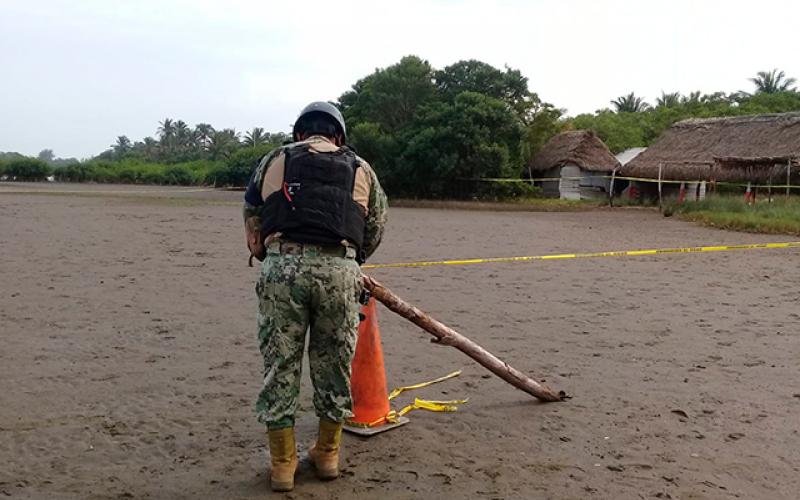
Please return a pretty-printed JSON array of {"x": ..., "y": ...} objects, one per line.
[{"x": 299, "y": 293}]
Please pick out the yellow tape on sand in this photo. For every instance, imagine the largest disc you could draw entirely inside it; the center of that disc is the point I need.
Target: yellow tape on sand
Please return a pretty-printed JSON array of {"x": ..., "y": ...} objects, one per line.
[{"x": 585, "y": 255}]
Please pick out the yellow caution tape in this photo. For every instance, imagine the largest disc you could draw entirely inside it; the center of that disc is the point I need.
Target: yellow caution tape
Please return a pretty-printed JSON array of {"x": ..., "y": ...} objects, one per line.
[
  {"x": 418, "y": 404},
  {"x": 626, "y": 178},
  {"x": 584, "y": 255},
  {"x": 400, "y": 390},
  {"x": 441, "y": 406}
]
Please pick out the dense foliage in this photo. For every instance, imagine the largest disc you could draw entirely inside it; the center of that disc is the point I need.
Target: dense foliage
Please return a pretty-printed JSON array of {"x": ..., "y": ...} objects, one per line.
[
  {"x": 621, "y": 129},
  {"x": 426, "y": 131},
  {"x": 23, "y": 168},
  {"x": 181, "y": 156},
  {"x": 434, "y": 133}
]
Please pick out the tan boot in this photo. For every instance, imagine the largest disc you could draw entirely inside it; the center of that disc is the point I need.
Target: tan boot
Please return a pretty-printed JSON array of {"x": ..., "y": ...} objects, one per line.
[
  {"x": 325, "y": 453},
  {"x": 283, "y": 450}
]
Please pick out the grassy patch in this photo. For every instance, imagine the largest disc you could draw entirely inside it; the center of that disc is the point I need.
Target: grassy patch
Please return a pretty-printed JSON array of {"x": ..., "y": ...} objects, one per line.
[{"x": 782, "y": 216}]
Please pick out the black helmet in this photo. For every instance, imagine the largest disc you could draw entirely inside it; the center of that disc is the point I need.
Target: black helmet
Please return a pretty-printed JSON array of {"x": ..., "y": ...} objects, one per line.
[{"x": 320, "y": 117}]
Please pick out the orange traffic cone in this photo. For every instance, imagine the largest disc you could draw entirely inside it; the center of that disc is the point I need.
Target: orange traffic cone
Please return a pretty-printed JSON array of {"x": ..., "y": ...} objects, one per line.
[{"x": 368, "y": 380}]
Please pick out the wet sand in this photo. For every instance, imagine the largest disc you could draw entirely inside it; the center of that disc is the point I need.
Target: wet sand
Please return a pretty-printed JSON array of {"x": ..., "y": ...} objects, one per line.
[{"x": 129, "y": 364}]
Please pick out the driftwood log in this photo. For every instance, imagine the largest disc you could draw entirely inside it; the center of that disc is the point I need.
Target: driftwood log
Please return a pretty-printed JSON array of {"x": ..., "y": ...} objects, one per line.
[{"x": 447, "y": 336}]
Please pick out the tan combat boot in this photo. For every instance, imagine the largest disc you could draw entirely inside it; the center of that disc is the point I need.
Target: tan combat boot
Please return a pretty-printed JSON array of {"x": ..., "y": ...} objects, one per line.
[
  {"x": 325, "y": 453},
  {"x": 283, "y": 450}
]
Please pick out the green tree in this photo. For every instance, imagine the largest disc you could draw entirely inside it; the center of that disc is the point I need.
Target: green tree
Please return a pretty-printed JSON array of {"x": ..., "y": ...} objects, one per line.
[
  {"x": 122, "y": 147},
  {"x": 508, "y": 86},
  {"x": 238, "y": 168},
  {"x": 419, "y": 126},
  {"x": 223, "y": 144},
  {"x": 382, "y": 149},
  {"x": 203, "y": 133},
  {"x": 477, "y": 136},
  {"x": 255, "y": 137},
  {"x": 772, "y": 82},
  {"x": 27, "y": 169},
  {"x": 770, "y": 102},
  {"x": 668, "y": 100},
  {"x": 183, "y": 135},
  {"x": 166, "y": 140},
  {"x": 390, "y": 97},
  {"x": 166, "y": 130},
  {"x": 619, "y": 131},
  {"x": 542, "y": 126},
  {"x": 629, "y": 104},
  {"x": 46, "y": 155},
  {"x": 150, "y": 148}
]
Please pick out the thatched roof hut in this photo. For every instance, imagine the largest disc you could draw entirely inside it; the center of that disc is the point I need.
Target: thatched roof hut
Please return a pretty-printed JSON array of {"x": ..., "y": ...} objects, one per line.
[
  {"x": 741, "y": 148},
  {"x": 576, "y": 147},
  {"x": 759, "y": 169}
]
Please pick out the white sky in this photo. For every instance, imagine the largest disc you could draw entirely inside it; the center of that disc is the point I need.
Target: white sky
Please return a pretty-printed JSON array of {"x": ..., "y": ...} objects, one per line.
[{"x": 74, "y": 74}]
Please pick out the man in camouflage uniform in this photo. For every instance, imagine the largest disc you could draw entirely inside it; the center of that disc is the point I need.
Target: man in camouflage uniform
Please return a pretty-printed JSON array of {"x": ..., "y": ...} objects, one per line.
[{"x": 313, "y": 211}]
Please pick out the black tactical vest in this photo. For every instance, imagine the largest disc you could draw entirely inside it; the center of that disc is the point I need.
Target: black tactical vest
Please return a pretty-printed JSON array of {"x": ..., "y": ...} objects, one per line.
[{"x": 315, "y": 203}]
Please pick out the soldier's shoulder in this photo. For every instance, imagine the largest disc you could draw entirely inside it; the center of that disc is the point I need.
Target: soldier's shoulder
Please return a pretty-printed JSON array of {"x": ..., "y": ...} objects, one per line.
[
  {"x": 362, "y": 163},
  {"x": 276, "y": 153}
]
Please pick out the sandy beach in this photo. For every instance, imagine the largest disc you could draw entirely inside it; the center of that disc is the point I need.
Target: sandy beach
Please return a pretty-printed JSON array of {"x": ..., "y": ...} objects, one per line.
[{"x": 129, "y": 363}]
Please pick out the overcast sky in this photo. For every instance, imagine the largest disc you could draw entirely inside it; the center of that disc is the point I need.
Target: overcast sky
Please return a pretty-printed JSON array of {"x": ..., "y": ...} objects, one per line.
[{"x": 75, "y": 74}]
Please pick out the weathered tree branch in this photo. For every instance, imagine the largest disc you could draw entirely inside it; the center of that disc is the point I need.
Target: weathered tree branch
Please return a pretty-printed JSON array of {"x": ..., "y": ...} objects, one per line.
[{"x": 447, "y": 336}]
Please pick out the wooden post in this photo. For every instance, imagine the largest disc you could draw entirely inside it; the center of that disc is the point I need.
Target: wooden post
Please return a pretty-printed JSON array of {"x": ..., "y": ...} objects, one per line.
[
  {"x": 769, "y": 188},
  {"x": 660, "y": 166},
  {"x": 788, "y": 177},
  {"x": 611, "y": 188},
  {"x": 447, "y": 336}
]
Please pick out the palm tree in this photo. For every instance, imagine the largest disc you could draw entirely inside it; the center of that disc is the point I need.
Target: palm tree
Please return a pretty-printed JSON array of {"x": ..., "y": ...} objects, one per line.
[
  {"x": 668, "y": 100},
  {"x": 232, "y": 134},
  {"x": 203, "y": 132},
  {"x": 223, "y": 143},
  {"x": 692, "y": 98},
  {"x": 183, "y": 134},
  {"x": 716, "y": 98},
  {"x": 166, "y": 130},
  {"x": 629, "y": 104},
  {"x": 739, "y": 97},
  {"x": 255, "y": 137},
  {"x": 772, "y": 82},
  {"x": 150, "y": 147},
  {"x": 121, "y": 147}
]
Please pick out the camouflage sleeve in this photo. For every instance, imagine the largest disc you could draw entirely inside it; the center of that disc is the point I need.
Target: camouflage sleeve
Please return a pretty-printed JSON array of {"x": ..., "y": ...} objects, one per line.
[
  {"x": 252, "y": 196},
  {"x": 377, "y": 215}
]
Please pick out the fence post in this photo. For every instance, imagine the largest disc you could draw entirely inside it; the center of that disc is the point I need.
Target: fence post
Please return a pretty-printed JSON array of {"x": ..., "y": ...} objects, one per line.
[
  {"x": 660, "y": 167},
  {"x": 769, "y": 189},
  {"x": 611, "y": 189},
  {"x": 788, "y": 176}
]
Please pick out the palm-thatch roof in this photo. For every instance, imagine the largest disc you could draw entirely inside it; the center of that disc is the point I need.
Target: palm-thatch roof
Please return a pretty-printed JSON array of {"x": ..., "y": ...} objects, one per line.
[
  {"x": 576, "y": 147},
  {"x": 741, "y": 148},
  {"x": 757, "y": 169}
]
